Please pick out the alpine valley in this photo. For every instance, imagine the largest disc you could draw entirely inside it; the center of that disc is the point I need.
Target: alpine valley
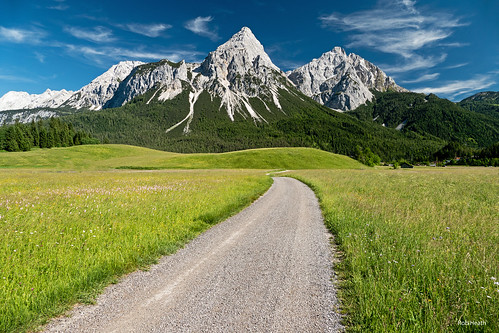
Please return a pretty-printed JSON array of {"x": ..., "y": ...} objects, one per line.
[{"x": 238, "y": 99}]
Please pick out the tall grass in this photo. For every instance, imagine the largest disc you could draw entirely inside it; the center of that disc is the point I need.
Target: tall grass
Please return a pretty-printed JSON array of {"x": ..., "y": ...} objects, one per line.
[
  {"x": 66, "y": 235},
  {"x": 420, "y": 248}
]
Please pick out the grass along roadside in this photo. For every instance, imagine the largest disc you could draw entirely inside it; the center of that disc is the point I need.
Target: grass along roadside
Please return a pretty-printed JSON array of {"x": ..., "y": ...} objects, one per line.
[
  {"x": 66, "y": 235},
  {"x": 420, "y": 248}
]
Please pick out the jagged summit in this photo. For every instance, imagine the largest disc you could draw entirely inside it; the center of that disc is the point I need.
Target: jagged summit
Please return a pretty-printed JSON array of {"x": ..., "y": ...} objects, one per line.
[
  {"x": 341, "y": 81},
  {"x": 98, "y": 92},
  {"x": 238, "y": 75},
  {"x": 242, "y": 49}
]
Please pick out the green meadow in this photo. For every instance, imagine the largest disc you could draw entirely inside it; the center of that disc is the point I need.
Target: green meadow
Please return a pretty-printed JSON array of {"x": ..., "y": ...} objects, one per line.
[
  {"x": 418, "y": 250},
  {"x": 104, "y": 157},
  {"x": 66, "y": 235}
]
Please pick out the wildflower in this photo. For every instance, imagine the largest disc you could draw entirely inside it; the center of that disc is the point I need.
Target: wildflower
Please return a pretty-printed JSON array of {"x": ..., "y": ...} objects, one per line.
[
  {"x": 493, "y": 278},
  {"x": 496, "y": 283},
  {"x": 488, "y": 296}
]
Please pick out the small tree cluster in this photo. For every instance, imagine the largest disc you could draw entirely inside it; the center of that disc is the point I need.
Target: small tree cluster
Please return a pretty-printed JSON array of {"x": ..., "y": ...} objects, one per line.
[
  {"x": 42, "y": 134},
  {"x": 366, "y": 156}
]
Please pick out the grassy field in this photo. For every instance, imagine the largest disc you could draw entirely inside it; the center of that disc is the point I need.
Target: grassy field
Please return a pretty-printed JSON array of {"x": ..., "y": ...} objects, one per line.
[
  {"x": 65, "y": 235},
  {"x": 419, "y": 248},
  {"x": 102, "y": 157}
]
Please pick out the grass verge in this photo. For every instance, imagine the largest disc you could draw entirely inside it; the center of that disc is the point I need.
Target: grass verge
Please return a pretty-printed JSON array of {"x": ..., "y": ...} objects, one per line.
[
  {"x": 67, "y": 235},
  {"x": 420, "y": 247}
]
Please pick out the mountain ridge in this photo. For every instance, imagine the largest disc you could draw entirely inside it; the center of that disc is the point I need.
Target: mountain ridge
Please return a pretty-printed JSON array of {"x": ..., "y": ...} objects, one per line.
[{"x": 237, "y": 71}]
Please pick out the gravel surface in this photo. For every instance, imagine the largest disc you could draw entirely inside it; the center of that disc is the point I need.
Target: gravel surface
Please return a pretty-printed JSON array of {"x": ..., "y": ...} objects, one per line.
[{"x": 266, "y": 269}]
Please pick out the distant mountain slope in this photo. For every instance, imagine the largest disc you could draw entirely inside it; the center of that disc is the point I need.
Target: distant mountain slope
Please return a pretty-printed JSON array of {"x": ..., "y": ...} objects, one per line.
[
  {"x": 430, "y": 115},
  {"x": 97, "y": 93},
  {"x": 484, "y": 102},
  {"x": 303, "y": 123},
  {"x": 17, "y": 100},
  {"x": 341, "y": 81}
]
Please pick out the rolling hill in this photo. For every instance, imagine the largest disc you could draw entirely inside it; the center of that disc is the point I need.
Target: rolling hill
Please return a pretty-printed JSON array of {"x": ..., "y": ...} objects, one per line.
[{"x": 105, "y": 157}]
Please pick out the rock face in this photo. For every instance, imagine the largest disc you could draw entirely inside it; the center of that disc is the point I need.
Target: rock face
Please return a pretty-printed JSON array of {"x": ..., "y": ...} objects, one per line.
[
  {"x": 98, "y": 92},
  {"x": 164, "y": 75},
  {"x": 341, "y": 81},
  {"x": 235, "y": 72},
  {"x": 18, "y": 100},
  {"x": 240, "y": 69}
]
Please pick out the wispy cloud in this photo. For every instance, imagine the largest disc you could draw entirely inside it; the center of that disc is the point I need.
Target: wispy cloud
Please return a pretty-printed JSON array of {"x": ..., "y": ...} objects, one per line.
[
  {"x": 149, "y": 30},
  {"x": 199, "y": 26},
  {"x": 423, "y": 78},
  {"x": 40, "y": 57},
  {"x": 59, "y": 5},
  {"x": 457, "y": 65},
  {"x": 396, "y": 27},
  {"x": 16, "y": 35},
  {"x": 16, "y": 78},
  {"x": 414, "y": 63},
  {"x": 96, "y": 35},
  {"x": 103, "y": 54},
  {"x": 456, "y": 88}
]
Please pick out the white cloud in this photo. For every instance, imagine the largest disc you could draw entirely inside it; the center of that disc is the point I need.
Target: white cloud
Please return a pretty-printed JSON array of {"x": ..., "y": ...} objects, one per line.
[
  {"x": 59, "y": 5},
  {"x": 15, "y": 78},
  {"x": 403, "y": 43},
  {"x": 96, "y": 35},
  {"x": 414, "y": 63},
  {"x": 21, "y": 35},
  {"x": 199, "y": 26},
  {"x": 40, "y": 57},
  {"x": 149, "y": 30},
  {"x": 456, "y": 88},
  {"x": 101, "y": 54},
  {"x": 397, "y": 27},
  {"x": 457, "y": 65},
  {"x": 426, "y": 77}
]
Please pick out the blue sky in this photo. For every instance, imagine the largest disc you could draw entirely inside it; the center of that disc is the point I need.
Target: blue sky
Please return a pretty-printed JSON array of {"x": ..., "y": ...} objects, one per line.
[{"x": 448, "y": 47}]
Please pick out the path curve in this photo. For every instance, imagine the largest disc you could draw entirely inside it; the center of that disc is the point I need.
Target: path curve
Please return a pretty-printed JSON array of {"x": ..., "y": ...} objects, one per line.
[{"x": 266, "y": 269}]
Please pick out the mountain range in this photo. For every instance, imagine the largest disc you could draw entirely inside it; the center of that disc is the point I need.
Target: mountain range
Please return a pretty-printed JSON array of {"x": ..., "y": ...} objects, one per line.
[
  {"x": 238, "y": 98},
  {"x": 236, "y": 72}
]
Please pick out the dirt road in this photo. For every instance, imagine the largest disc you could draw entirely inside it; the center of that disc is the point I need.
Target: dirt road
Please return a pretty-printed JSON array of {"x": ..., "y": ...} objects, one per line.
[{"x": 267, "y": 269}]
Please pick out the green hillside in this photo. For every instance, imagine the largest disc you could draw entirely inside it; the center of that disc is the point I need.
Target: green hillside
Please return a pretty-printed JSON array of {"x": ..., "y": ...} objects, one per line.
[
  {"x": 303, "y": 123},
  {"x": 102, "y": 157},
  {"x": 486, "y": 103},
  {"x": 430, "y": 116}
]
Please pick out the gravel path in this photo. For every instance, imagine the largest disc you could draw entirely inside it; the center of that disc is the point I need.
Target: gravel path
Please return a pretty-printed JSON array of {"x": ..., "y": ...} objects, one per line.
[{"x": 267, "y": 269}]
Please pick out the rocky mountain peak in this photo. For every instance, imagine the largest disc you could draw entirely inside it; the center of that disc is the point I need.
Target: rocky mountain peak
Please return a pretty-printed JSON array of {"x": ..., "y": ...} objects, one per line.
[
  {"x": 341, "y": 81},
  {"x": 98, "y": 92},
  {"x": 238, "y": 54}
]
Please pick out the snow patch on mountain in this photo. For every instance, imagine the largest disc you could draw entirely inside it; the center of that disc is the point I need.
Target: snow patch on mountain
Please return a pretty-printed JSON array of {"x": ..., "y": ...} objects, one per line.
[{"x": 18, "y": 100}]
